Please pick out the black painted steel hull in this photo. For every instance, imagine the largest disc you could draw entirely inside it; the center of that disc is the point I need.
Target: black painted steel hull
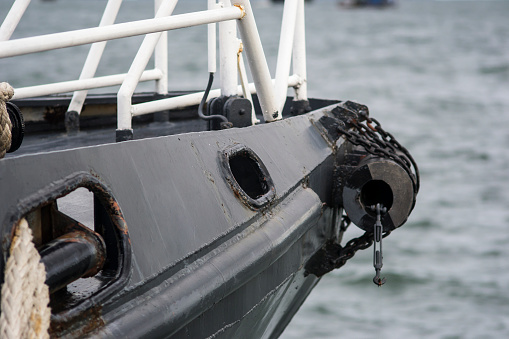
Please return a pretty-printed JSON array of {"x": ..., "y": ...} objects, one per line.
[{"x": 194, "y": 258}]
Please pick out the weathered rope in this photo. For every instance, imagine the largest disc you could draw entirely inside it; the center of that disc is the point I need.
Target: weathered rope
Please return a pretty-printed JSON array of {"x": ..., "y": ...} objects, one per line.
[
  {"x": 25, "y": 296},
  {"x": 6, "y": 93}
]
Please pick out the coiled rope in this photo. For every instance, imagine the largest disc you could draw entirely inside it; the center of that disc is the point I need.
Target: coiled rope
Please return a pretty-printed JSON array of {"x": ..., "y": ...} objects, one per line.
[
  {"x": 25, "y": 296},
  {"x": 6, "y": 93}
]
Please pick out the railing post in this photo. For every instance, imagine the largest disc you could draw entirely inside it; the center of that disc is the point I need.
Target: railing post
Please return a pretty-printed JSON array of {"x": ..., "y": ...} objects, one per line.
[
  {"x": 245, "y": 83},
  {"x": 125, "y": 93},
  {"x": 211, "y": 40},
  {"x": 161, "y": 63},
  {"x": 300, "y": 102},
  {"x": 257, "y": 63},
  {"x": 228, "y": 48},
  {"x": 161, "y": 57},
  {"x": 286, "y": 40},
  {"x": 89, "y": 68}
]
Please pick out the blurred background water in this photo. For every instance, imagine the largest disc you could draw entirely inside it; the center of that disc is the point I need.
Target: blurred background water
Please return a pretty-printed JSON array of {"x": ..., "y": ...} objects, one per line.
[{"x": 436, "y": 74}]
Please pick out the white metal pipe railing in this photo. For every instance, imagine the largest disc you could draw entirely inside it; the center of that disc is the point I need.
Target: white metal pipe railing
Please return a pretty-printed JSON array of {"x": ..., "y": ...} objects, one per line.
[
  {"x": 211, "y": 41},
  {"x": 138, "y": 65},
  {"x": 257, "y": 63},
  {"x": 271, "y": 93},
  {"x": 94, "y": 55},
  {"x": 178, "y": 102},
  {"x": 82, "y": 84},
  {"x": 299, "y": 54},
  {"x": 195, "y": 98},
  {"x": 286, "y": 41},
  {"x": 244, "y": 83},
  {"x": 12, "y": 19},
  {"x": 241, "y": 68},
  {"x": 123, "y": 30},
  {"x": 228, "y": 48},
  {"x": 161, "y": 56}
]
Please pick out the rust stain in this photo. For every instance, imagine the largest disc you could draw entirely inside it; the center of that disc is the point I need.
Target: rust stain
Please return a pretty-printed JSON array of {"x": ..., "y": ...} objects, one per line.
[
  {"x": 79, "y": 325},
  {"x": 120, "y": 222},
  {"x": 209, "y": 176},
  {"x": 88, "y": 238},
  {"x": 54, "y": 114},
  {"x": 242, "y": 10}
]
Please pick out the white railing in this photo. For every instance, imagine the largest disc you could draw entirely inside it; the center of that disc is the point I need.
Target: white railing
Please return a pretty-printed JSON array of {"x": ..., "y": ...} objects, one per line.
[{"x": 271, "y": 92}]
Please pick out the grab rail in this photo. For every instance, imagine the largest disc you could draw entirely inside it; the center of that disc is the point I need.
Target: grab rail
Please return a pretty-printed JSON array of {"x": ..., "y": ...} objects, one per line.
[
  {"x": 85, "y": 36},
  {"x": 271, "y": 92}
]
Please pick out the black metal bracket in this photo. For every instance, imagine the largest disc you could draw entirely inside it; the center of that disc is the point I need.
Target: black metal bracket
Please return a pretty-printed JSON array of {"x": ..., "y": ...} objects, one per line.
[{"x": 236, "y": 109}]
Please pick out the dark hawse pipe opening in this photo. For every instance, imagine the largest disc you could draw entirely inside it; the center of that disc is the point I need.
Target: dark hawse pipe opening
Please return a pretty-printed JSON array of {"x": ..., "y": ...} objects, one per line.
[
  {"x": 376, "y": 192},
  {"x": 248, "y": 175},
  {"x": 383, "y": 181}
]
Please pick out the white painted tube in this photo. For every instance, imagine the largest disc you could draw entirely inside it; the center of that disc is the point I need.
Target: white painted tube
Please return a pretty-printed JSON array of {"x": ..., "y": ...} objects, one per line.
[
  {"x": 244, "y": 83},
  {"x": 228, "y": 48},
  {"x": 179, "y": 102},
  {"x": 139, "y": 64},
  {"x": 211, "y": 41},
  {"x": 161, "y": 56},
  {"x": 257, "y": 63},
  {"x": 284, "y": 59},
  {"x": 78, "y": 85},
  {"x": 299, "y": 54},
  {"x": 94, "y": 55},
  {"x": 12, "y": 19},
  {"x": 89, "y": 35},
  {"x": 193, "y": 99}
]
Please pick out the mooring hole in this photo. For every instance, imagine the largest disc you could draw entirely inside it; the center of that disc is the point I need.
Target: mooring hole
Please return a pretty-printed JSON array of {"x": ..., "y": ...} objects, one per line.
[
  {"x": 83, "y": 205},
  {"x": 80, "y": 243},
  {"x": 374, "y": 192},
  {"x": 248, "y": 175}
]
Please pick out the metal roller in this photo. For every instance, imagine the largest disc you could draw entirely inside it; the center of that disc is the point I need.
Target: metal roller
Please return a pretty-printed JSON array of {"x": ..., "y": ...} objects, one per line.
[
  {"x": 378, "y": 180},
  {"x": 75, "y": 255}
]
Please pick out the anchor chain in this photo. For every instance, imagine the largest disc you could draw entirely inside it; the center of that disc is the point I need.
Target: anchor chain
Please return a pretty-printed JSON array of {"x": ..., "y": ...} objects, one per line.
[
  {"x": 368, "y": 133},
  {"x": 375, "y": 140},
  {"x": 353, "y": 245},
  {"x": 361, "y": 130},
  {"x": 333, "y": 255}
]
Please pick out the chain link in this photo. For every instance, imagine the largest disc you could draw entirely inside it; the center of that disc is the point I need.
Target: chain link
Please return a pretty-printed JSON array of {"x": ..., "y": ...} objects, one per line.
[
  {"x": 375, "y": 140},
  {"x": 353, "y": 245}
]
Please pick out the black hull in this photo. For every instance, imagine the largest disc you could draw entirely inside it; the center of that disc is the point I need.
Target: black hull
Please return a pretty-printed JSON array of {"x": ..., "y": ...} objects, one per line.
[
  {"x": 204, "y": 234},
  {"x": 251, "y": 288},
  {"x": 198, "y": 260}
]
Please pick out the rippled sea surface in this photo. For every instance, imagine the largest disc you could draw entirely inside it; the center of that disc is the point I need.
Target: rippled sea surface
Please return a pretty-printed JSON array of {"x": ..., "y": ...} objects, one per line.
[{"x": 436, "y": 74}]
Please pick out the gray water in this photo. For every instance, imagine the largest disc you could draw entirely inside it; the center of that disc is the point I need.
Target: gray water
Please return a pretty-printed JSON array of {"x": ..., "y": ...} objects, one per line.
[{"x": 436, "y": 74}]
